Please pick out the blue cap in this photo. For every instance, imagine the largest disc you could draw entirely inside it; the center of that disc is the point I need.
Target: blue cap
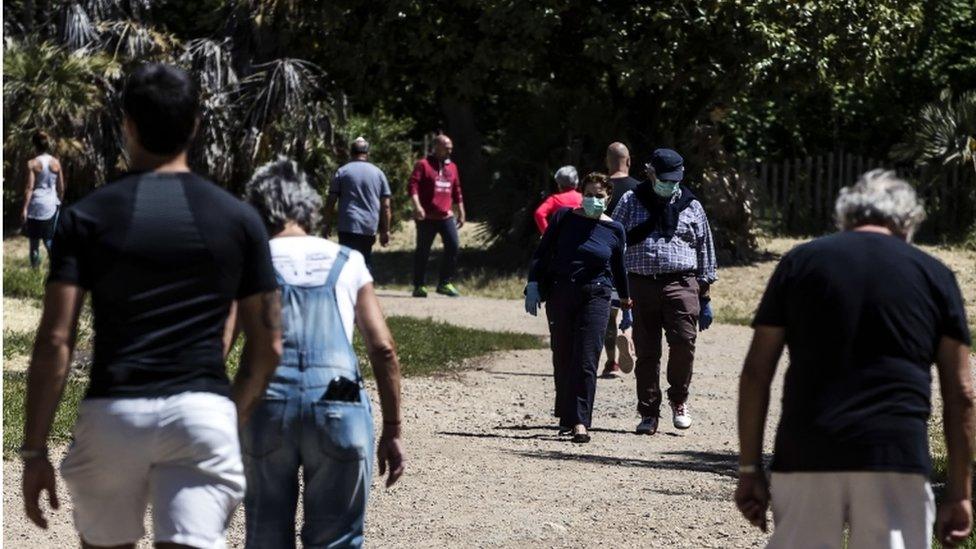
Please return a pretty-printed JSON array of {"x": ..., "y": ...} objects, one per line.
[{"x": 667, "y": 165}]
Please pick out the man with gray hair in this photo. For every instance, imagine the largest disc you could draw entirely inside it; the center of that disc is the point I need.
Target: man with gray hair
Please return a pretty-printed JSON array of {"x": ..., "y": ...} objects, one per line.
[
  {"x": 363, "y": 194},
  {"x": 565, "y": 197},
  {"x": 864, "y": 314}
]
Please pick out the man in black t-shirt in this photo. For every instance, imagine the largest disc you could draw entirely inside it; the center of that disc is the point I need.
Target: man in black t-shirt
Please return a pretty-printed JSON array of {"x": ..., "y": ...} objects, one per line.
[
  {"x": 165, "y": 256},
  {"x": 864, "y": 315},
  {"x": 618, "y": 166}
]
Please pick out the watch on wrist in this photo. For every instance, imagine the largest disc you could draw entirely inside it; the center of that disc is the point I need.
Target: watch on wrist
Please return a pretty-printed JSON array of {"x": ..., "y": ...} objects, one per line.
[
  {"x": 28, "y": 454},
  {"x": 749, "y": 469}
]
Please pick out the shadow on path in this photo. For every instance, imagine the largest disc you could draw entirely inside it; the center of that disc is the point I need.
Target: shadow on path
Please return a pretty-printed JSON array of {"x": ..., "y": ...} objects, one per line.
[{"x": 717, "y": 463}]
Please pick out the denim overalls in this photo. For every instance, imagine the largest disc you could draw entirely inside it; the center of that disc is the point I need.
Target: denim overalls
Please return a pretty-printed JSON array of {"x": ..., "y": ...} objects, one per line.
[{"x": 295, "y": 427}]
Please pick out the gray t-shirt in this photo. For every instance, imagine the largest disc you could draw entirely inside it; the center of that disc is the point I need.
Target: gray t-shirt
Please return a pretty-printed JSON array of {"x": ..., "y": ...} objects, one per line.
[{"x": 360, "y": 187}]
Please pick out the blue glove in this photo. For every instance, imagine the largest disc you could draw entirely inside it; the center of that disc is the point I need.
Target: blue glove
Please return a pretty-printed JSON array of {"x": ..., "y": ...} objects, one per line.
[
  {"x": 532, "y": 298},
  {"x": 705, "y": 317},
  {"x": 626, "y": 320}
]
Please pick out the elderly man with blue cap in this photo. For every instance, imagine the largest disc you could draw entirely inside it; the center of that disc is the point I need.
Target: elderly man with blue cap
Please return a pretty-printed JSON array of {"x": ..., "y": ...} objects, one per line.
[{"x": 670, "y": 262}]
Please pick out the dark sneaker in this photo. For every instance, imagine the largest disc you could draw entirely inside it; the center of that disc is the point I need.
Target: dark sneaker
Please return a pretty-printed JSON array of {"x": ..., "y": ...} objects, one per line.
[
  {"x": 448, "y": 289},
  {"x": 611, "y": 370},
  {"x": 647, "y": 426},
  {"x": 420, "y": 291},
  {"x": 563, "y": 431}
]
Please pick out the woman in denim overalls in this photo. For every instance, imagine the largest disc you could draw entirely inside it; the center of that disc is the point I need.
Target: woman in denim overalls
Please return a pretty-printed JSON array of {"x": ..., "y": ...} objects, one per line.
[{"x": 316, "y": 414}]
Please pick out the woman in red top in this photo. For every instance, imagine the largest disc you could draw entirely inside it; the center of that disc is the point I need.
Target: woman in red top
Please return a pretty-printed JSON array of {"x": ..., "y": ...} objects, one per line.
[{"x": 567, "y": 197}]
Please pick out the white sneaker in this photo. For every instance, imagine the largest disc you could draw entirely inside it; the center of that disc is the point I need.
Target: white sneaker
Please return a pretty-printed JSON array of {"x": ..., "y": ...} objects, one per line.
[{"x": 681, "y": 418}]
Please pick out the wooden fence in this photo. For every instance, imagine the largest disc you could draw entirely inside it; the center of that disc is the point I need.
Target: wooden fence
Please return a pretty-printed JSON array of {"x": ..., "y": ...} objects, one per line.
[{"x": 797, "y": 196}]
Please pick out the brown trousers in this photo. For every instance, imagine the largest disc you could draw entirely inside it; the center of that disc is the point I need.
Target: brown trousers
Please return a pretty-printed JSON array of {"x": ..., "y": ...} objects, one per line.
[{"x": 670, "y": 305}]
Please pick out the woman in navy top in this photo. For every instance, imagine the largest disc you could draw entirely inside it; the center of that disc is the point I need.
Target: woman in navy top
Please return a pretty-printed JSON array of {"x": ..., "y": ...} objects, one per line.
[{"x": 579, "y": 260}]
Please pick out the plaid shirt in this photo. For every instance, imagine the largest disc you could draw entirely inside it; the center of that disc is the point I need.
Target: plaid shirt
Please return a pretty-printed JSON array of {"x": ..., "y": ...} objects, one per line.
[{"x": 691, "y": 249}]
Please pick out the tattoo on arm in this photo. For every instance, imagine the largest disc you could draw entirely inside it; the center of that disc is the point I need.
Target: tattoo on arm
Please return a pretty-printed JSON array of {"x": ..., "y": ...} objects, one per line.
[{"x": 271, "y": 310}]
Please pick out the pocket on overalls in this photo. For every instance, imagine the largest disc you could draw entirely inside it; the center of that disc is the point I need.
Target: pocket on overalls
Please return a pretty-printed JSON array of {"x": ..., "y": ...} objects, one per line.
[
  {"x": 264, "y": 431},
  {"x": 344, "y": 429}
]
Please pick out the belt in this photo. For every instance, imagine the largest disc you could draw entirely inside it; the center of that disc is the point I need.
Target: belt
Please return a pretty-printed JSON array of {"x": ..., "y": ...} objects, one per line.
[{"x": 664, "y": 276}]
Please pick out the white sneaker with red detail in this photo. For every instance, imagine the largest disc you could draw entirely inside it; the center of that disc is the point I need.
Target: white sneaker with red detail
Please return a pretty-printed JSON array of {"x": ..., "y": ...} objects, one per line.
[{"x": 681, "y": 419}]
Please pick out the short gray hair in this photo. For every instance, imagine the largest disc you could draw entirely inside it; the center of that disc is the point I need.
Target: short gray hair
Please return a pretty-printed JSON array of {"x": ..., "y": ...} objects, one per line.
[
  {"x": 566, "y": 177},
  {"x": 880, "y": 198},
  {"x": 280, "y": 193},
  {"x": 359, "y": 146}
]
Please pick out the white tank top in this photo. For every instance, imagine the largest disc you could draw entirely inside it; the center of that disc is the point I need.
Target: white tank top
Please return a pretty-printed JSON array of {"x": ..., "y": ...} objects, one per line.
[{"x": 44, "y": 200}]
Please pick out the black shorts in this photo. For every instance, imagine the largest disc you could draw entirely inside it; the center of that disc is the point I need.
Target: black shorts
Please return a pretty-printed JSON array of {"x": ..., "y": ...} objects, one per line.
[{"x": 41, "y": 228}]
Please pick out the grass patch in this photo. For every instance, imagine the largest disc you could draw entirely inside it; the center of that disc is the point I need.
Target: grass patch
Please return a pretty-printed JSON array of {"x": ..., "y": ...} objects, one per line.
[
  {"x": 14, "y": 398},
  {"x": 424, "y": 346},
  {"x": 17, "y": 343},
  {"x": 19, "y": 280}
]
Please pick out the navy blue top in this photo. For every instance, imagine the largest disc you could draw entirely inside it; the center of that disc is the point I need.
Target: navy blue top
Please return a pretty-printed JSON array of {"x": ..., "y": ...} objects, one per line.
[{"x": 582, "y": 250}]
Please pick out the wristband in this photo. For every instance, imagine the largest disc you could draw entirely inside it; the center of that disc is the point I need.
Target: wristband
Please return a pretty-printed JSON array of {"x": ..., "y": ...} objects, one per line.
[
  {"x": 749, "y": 469},
  {"x": 27, "y": 455}
]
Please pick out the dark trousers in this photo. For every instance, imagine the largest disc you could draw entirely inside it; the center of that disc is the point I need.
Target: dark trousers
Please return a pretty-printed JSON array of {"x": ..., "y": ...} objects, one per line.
[
  {"x": 362, "y": 243},
  {"x": 426, "y": 231},
  {"x": 670, "y": 305},
  {"x": 577, "y": 320}
]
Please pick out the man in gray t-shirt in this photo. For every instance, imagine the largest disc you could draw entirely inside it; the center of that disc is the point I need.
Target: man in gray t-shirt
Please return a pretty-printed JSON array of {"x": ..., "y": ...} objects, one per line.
[{"x": 363, "y": 194}]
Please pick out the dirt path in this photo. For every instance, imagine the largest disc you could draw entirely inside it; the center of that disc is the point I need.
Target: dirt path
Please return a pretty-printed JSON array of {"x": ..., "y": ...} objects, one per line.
[{"x": 486, "y": 468}]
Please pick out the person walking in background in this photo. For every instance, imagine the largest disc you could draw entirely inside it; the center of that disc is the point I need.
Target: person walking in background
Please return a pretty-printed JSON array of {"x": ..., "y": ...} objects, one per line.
[
  {"x": 164, "y": 254},
  {"x": 315, "y": 415},
  {"x": 435, "y": 188},
  {"x": 671, "y": 264},
  {"x": 565, "y": 197},
  {"x": 363, "y": 195},
  {"x": 864, "y": 315},
  {"x": 43, "y": 194},
  {"x": 618, "y": 166},
  {"x": 579, "y": 260}
]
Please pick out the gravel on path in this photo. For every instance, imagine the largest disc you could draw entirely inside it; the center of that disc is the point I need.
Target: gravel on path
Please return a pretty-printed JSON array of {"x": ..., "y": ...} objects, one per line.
[{"x": 487, "y": 469}]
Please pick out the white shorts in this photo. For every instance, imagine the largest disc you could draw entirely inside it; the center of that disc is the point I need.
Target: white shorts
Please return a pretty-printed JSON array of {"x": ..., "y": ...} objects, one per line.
[
  {"x": 180, "y": 453},
  {"x": 883, "y": 510}
]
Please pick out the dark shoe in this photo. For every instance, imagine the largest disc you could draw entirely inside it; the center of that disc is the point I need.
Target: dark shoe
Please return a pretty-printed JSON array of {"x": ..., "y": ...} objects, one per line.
[
  {"x": 563, "y": 431},
  {"x": 580, "y": 436},
  {"x": 647, "y": 426},
  {"x": 419, "y": 291},
  {"x": 448, "y": 289},
  {"x": 611, "y": 370}
]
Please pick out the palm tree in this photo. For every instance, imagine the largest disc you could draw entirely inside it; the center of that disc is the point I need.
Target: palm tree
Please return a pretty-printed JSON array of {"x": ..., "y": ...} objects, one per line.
[{"x": 945, "y": 134}]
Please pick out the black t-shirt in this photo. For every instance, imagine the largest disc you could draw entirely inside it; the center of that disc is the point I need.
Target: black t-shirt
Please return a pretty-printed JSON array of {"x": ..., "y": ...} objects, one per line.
[
  {"x": 620, "y": 187},
  {"x": 163, "y": 256},
  {"x": 864, "y": 313}
]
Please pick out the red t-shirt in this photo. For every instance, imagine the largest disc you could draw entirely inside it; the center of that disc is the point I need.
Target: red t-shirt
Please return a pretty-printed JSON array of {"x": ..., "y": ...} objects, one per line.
[
  {"x": 437, "y": 185},
  {"x": 565, "y": 199}
]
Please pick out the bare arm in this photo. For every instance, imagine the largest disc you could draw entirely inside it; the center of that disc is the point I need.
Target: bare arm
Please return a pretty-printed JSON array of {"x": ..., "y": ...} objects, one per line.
[
  {"x": 61, "y": 184},
  {"x": 959, "y": 423},
  {"x": 329, "y": 213},
  {"x": 386, "y": 367},
  {"x": 260, "y": 319},
  {"x": 45, "y": 383},
  {"x": 28, "y": 191},
  {"x": 754, "y": 382},
  {"x": 386, "y": 220},
  {"x": 752, "y": 494},
  {"x": 461, "y": 215}
]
